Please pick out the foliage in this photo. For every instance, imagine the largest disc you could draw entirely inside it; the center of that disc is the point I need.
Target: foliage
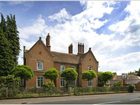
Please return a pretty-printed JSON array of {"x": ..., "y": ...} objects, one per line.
[
  {"x": 130, "y": 88},
  {"x": 24, "y": 72},
  {"x": 49, "y": 88},
  {"x": 9, "y": 86},
  {"x": 9, "y": 44},
  {"x": 12, "y": 36},
  {"x": 88, "y": 75},
  {"x": 116, "y": 86},
  {"x": 69, "y": 75},
  {"x": 6, "y": 62},
  {"x": 138, "y": 72},
  {"x": 103, "y": 77},
  {"x": 51, "y": 74}
]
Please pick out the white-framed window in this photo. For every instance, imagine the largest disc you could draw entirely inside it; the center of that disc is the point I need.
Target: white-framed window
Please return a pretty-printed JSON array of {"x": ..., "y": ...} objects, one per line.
[
  {"x": 90, "y": 68},
  {"x": 62, "y": 68},
  {"x": 74, "y": 67},
  {"x": 90, "y": 83},
  {"x": 62, "y": 82},
  {"x": 39, "y": 81},
  {"x": 39, "y": 65}
]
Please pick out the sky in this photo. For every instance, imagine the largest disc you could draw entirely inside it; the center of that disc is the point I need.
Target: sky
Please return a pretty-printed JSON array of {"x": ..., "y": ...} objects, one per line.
[{"x": 110, "y": 28}]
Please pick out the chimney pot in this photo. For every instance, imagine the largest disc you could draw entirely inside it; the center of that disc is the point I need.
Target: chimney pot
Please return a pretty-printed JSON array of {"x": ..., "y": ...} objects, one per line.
[
  {"x": 48, "y": 41},
  {"x": 70, "y": 49},
  {"x": 80, "y": 48}
]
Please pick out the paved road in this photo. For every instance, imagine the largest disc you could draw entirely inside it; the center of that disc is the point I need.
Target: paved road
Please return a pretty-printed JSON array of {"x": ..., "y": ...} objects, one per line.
[{"x": 124, "y": 98}]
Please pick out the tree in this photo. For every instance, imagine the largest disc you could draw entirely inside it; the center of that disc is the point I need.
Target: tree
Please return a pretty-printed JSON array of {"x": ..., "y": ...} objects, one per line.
[
  {"x": 51, "y": 74},
  {"x": 23, "y": 72},
  {"x": 9, "y": 45},
  {"x": 70, "y": 75},
  {"x": 103, "y": 78},
  {"x": 138, "y": 72},
  {"x": 88, "y": 75},
  {"x": 13, "y": 37},
  {"x": 3, "y": 24},
  {"x": 6, "y": 62}
]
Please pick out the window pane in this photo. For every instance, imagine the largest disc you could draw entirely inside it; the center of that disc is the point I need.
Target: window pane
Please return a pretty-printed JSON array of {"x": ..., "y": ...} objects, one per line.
[
  {"x": 90, "y": 82},
  {"x": 62, "y": 82},
  {"x": 62, "y": 68},
  {"x": 40, "y": 81},
  {"x": 89, "y": 67},
  {"x": 39, "y": 65}
]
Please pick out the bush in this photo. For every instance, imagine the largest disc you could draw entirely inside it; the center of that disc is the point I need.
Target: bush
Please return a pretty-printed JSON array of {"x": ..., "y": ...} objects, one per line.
[
  {"x": 117, "y": 86},
  {"x": 70, "y": 75},
  {"x": 130, "y": 88},
  {"x": 88, "y": 75},
  {"x": 50, "y": 88},
  {"x": 9, "y": 86},
  {"x": 51, "y": 74}
]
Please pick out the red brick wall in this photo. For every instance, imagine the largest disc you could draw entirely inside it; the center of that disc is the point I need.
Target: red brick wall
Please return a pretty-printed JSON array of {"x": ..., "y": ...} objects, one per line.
[
  {"x": 88, "y": 60},
  {"x": 38, "y": 53}
]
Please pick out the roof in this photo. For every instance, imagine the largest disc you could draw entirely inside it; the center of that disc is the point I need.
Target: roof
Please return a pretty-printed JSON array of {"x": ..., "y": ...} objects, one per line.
[
  {"x": 130, "y": 79},
  {"x": 65, "y": 58}
]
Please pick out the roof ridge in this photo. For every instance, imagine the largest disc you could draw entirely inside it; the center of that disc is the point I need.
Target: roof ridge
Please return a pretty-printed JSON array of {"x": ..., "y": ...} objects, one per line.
[{"x": 62, "y": 53}]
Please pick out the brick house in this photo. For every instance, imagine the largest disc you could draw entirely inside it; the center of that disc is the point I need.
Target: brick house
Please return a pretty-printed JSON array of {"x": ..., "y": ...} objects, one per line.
[{"x": 40, "y": 58}]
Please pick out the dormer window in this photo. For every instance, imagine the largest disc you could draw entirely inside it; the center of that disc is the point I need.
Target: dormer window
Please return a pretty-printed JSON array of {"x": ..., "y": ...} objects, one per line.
[{"x": 39, "y": 65}]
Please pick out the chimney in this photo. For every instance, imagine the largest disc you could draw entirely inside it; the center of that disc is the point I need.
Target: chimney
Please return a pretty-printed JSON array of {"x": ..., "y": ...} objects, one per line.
[
  {"x": 70, "y": 49},
  {"x": 80, "y": 48},
  {"x": 39, "y": 38},
  {"x": 48, "y": 42}
]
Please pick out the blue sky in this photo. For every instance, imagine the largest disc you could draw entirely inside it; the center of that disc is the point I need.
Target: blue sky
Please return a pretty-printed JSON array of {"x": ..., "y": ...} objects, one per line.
[
  {"x": 109, "y": 28},
  {"x": 28, "y": 11}
]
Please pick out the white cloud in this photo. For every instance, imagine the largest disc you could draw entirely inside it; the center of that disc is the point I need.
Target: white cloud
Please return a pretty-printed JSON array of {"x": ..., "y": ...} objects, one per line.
[
  {"x": 60, "y": 17},
  {"x": 81, "y": 28},
  {"x": 34, "y": 30},
  {"x": 122, "y": 64}
]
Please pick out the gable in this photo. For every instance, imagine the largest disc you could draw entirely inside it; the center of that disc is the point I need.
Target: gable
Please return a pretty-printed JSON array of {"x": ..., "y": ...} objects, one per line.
[
  {"x": 89, "y": 55},
  {"x": 88, "y": 59},
  {"x": 39, "y": 48},
  {"x": 39, "y": 52}
]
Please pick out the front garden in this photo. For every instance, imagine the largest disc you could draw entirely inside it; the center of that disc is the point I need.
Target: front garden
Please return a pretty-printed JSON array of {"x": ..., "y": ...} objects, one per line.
[
  {"x": 49, "y": 91},
  {"x": 11, "y": 85}
]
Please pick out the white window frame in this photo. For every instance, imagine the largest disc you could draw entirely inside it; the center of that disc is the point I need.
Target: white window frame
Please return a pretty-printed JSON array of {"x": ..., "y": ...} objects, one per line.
[
  {"x": 90, "y": 67},
  {"x": 37, "y": 78},
  {"x": 62, "y": 79},
  {"x": 90, "y": 82},
  {"x": 38, "y": 66},
  {"x": 62, "y": 68},
  {"x": 74, "y": 67}
]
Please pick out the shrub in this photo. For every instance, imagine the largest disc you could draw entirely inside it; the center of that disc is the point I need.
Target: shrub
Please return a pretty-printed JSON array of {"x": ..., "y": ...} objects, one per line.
[
  {"x": 49, "y": 88},
  {"x": 23, "y": 72},
  {"x": 9, "y": 86},
  {"x": 130, "y": 88},
  {"x": 117, "y": 86},
  {"x": 51, "y": 74},
  {"x": 69, "y": 75},
  {"x": 88, "y": 75}
]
